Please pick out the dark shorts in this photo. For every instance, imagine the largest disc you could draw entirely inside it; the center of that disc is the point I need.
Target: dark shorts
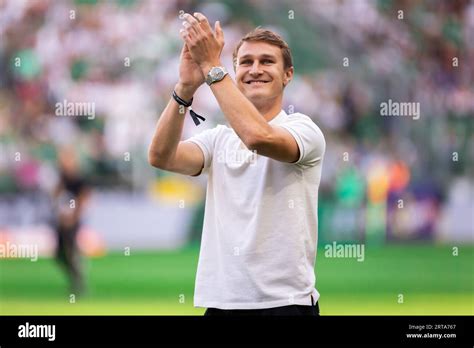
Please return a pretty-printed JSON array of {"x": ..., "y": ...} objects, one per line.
[{"x": 292, "y": 310}]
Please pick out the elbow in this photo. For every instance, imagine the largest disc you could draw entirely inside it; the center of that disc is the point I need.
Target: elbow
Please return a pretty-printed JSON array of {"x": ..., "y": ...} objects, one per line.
[
  {"x": 255, "y": 142},
  {"x": 155, "y": 161}
]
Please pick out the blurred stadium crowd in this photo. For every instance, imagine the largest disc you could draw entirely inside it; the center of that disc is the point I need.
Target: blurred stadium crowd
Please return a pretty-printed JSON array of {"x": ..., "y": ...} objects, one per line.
[{"x": 384, "y": 178}]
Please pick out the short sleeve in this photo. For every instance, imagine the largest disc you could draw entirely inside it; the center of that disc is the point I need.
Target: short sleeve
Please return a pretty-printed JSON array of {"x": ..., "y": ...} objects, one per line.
[
  {"x": 206, "y": 141},
  {"x": 309, "y": 138}
]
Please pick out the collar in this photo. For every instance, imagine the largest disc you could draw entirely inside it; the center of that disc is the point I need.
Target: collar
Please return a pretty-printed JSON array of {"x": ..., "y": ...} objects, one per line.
[{"x": 278, "y": 118}]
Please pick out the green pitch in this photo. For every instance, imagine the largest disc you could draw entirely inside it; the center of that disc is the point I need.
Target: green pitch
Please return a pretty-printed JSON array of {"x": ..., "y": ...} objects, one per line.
[{"x": 430, "y": 279}]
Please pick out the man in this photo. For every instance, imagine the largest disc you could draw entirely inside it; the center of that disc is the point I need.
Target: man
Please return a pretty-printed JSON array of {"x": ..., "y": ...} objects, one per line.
[
  {"x": 259, "y": 237},
  {"x": 70, "y": 198}
]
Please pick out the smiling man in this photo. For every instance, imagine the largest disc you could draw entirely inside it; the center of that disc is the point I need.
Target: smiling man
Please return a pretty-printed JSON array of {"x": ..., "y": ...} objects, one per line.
[{"x": 260, "y": 230}]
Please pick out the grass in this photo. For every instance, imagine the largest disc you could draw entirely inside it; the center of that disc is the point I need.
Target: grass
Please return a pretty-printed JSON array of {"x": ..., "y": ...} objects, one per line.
[{"x": 431, "y": 280}]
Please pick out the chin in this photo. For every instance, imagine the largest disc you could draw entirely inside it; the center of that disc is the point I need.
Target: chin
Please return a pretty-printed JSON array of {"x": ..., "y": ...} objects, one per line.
[
  {"x": 256, "y": 96},
  {"x": 256, "y": 92}
]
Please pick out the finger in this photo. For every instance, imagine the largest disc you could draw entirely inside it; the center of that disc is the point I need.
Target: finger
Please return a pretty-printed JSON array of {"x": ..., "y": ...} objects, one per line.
[
  {"x": 190, "y": 19},
  {"x": 192, "y": 25},
  {"x": 219, "y": 32},
  {"x": 183, "y": 50},
  {"x": 204, "y": 23},
  {"x": 184, "y": 35},
  {"x": 188, "y": 35},
  {"x": 188, "y": 28}
]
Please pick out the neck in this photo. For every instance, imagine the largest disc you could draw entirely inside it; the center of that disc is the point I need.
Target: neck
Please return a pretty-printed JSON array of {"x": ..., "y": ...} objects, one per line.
[{"x": 269, "y": 110}]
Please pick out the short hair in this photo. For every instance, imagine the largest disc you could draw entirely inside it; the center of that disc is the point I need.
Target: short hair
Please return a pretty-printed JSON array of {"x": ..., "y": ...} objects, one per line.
[{"x": 264, "y": 35}]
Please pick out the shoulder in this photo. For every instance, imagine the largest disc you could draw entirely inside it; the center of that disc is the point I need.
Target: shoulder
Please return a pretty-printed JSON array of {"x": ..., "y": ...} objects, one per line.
[
  {"x": 304, "y": 121},
  {"x": 299, "y": 117},
  {"x": 209, "y": 132},
  {"x": 222, "y": 130},
  {"x": 219, "y": 128}
]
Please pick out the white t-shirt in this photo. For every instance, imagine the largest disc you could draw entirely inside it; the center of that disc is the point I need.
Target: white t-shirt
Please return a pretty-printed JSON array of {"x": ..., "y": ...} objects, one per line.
[{"x": 260, "y": 231}]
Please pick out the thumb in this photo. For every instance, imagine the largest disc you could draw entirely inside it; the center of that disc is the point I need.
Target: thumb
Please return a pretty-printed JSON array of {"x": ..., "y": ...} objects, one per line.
[
  {"x": 184, "y": 50},
  {"x": 219, "y": 32}
]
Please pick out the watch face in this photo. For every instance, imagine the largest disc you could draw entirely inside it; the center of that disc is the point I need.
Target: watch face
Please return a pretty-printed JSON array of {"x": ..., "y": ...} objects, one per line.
[{"x": 216, "y": 73}]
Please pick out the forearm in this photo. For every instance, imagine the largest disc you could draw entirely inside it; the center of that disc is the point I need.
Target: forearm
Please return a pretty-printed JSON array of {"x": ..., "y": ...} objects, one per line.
[
  {"x": 169, "y": 129},
  {"x": 205, "y": 47},
  {"x": 242, "y": 115}
]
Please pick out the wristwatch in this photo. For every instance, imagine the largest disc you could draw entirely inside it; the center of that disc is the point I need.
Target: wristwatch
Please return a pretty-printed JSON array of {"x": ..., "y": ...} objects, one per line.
[{"x": 217, "y": 73}]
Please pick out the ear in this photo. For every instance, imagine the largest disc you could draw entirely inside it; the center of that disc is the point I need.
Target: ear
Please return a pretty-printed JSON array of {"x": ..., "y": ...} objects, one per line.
[
  {"x": 234, "y": 64},
  {"x": 288, "y": 76}
]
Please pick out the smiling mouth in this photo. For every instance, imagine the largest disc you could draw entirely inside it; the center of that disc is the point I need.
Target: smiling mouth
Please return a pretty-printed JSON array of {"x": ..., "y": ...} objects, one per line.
[{"x": 256, "y": 82}]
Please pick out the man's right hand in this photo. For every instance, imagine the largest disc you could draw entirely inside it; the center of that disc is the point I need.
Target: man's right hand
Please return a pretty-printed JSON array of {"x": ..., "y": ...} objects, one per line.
[{"x": 190, "y": 75}]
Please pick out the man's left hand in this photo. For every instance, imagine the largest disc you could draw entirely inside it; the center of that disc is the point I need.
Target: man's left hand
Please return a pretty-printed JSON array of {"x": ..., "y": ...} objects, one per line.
[{"x": 204, "y": 45}]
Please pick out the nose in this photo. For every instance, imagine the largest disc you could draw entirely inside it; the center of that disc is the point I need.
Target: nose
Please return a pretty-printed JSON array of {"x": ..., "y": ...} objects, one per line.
[{"x": 255, "y": 69}]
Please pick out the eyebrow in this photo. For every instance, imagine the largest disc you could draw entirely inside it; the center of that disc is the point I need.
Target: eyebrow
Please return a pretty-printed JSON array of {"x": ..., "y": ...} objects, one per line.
[{"x": 261, "y": 56}]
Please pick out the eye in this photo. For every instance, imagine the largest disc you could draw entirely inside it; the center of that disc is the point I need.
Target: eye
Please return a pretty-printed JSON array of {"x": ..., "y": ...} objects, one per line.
[
  {"x": 246, "y": 62},
  {"x": 267, "y": 61}
]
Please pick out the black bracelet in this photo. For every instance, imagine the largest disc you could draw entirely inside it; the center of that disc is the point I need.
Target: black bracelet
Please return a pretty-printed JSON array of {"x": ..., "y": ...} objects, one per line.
[
  {"x": 186, "y": 104},
  {"x": 181, "y": 101}
]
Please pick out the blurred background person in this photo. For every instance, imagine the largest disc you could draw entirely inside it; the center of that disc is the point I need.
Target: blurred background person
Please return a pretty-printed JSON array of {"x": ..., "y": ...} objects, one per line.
[{"x": 70, "y": 198}]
